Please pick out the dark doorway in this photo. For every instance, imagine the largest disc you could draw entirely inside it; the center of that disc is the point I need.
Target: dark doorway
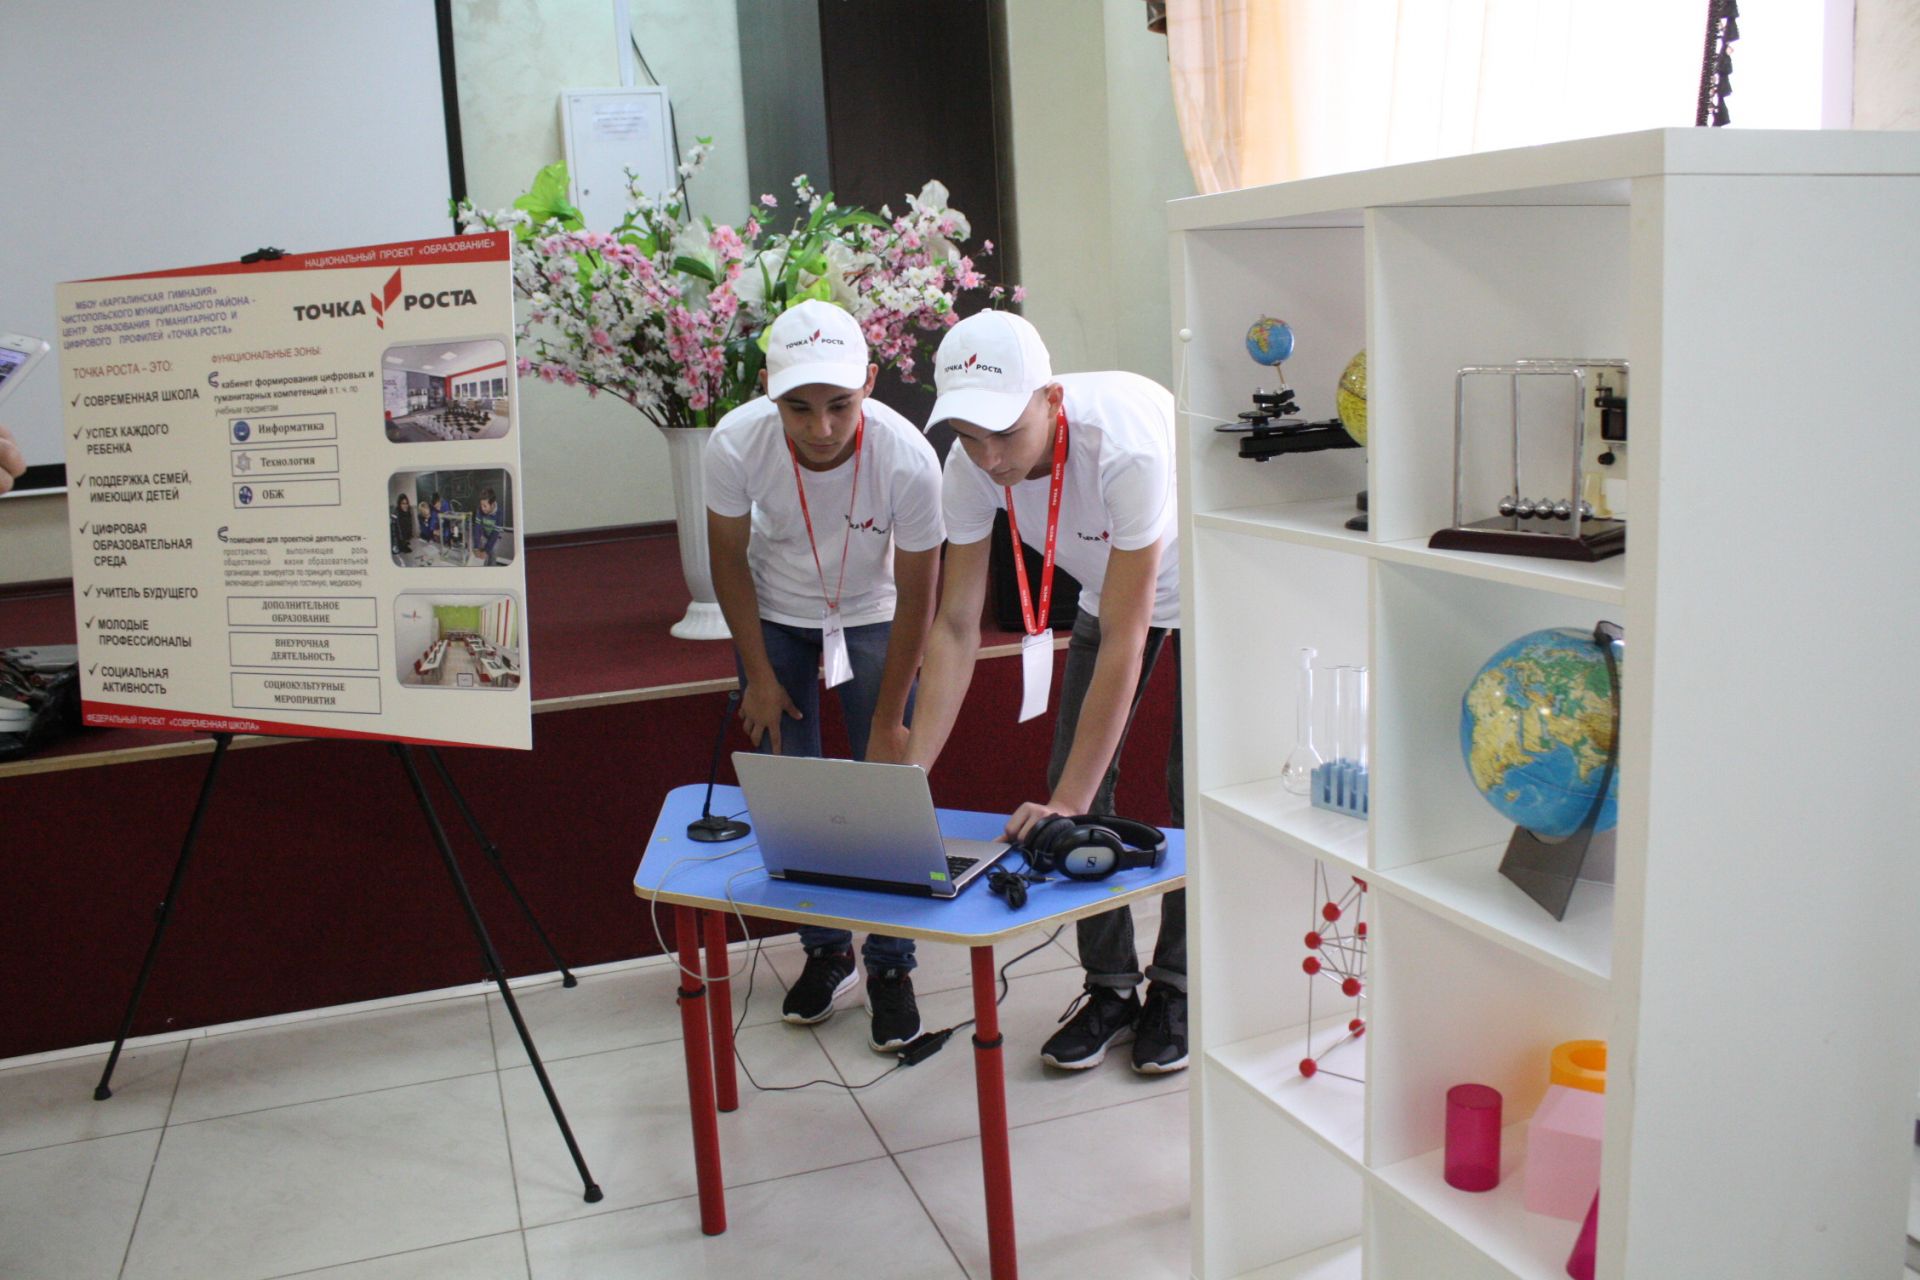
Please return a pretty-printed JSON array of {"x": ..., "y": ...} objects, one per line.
[{"x": 918, "y": 91}]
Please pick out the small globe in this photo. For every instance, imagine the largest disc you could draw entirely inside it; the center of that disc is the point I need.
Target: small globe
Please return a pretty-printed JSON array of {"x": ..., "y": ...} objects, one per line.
[
  {"x": 1269, "y": 341},
  {"x": 1350, "y": 398},
  {"x": 1537, "y": 732}
]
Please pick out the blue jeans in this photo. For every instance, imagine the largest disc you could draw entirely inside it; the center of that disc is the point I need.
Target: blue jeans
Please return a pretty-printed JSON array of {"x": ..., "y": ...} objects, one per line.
[{"x": 795, "y": 655}]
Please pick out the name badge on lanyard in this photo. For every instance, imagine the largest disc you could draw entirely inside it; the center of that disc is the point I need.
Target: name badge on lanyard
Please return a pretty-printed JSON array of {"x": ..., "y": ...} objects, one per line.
[
  {"x": 1036, "y": 649},
  {"x": 836, "y": 667}
]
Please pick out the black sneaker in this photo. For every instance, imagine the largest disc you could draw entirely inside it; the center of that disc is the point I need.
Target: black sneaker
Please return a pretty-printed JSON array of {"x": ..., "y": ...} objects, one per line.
[
  {"x": 827, "y": 977},
  {"x": 1101, "y": 1016},
  {"x": 896, "y": 1018},
  {"x": 1160, "y": 1038}
]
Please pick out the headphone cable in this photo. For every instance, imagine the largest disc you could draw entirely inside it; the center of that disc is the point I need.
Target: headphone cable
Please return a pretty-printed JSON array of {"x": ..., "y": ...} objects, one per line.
[{"x": 933, "y": 1041}]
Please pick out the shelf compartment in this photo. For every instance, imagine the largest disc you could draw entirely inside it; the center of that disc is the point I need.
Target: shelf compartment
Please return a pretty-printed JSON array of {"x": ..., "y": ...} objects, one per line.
[
  {"x": 1255, "y": 603},
  {"x": 1267, "y": 1192},
  {"x": 1330, "y": 1109},
  {"x": 1335, "y": 1262},
  {"x": 1320, "y": 522},
  {"x": 1433, "y": 632},
  {"x": 1468, "y": 889},
  {"x": 1293, "y": 822},
  {"x": 1450, "y": 1006},
  {"x": 1604, "y": 581},
  {"x": 1526, "y": 1246}
]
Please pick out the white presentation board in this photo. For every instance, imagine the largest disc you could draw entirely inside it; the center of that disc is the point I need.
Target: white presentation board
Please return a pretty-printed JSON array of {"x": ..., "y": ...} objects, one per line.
[
  {"x": 295, "y": 499},
  {"x": 195, "y": 130}
]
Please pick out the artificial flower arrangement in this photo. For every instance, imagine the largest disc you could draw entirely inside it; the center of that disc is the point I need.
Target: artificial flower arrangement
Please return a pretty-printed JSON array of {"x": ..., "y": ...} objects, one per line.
[{"x": 667, "y": 311}]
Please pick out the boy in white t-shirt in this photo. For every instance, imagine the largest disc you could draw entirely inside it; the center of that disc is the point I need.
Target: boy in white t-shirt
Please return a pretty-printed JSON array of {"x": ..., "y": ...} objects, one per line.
[
  {"x": 1109, "y": 437},
  {"x": 823, "y": 522}
]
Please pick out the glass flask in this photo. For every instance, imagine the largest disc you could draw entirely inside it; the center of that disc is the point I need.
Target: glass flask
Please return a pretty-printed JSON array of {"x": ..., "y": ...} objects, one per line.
[{"x": 1296, "y": 773}]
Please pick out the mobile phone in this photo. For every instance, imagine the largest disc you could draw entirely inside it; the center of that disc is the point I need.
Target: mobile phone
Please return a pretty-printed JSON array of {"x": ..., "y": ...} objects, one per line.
[{"x": 18, "y": 355}]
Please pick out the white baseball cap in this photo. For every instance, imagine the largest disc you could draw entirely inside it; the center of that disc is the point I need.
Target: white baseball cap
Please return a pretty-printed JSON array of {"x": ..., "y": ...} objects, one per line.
[
  {"x": 815, "y": 342},
  {"x": 987, "y": 369}
]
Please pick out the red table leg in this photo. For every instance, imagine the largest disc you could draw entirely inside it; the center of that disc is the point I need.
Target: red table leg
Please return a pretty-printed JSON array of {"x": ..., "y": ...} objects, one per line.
[
  {"x": 726, "y": 1085},
  {"x": 693, "y": 1030},
  {"x": 990, "y": 1080}
]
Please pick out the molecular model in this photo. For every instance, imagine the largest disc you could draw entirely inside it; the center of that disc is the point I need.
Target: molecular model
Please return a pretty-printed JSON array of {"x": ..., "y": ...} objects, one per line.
[{"x": 1337, "y": 953}]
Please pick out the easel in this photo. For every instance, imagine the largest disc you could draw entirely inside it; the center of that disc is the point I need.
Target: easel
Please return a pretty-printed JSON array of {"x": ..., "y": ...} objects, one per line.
[{"x": 403, "y": 752}]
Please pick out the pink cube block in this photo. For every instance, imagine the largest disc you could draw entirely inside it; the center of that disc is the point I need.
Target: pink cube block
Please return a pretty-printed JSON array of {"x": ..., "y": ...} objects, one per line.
[{"x": 1563, "y": 1152}]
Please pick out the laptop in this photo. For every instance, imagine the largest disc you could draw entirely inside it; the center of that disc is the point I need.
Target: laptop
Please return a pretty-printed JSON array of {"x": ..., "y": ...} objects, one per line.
[{"x": 856, "y": 825}]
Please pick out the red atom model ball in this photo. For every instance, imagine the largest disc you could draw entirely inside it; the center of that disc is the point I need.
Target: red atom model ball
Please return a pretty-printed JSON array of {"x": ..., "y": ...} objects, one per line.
[
  {"x": 1350, "y": 987},
  {"x": 1358, "y": 1026},
  {"x": 1308, "y": 1066},
  {"x": 1361, "y": 929},
  {"x": 1311, "y": 964},
  {"x": 1330, "y": 912},
  {"x": 1313, "y": 941}
]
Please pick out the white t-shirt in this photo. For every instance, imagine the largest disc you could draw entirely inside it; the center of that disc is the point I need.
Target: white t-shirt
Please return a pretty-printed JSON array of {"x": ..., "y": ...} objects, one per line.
[
  {"x": 1118, "y": 490},
  {"x": 748, "y": 469}
]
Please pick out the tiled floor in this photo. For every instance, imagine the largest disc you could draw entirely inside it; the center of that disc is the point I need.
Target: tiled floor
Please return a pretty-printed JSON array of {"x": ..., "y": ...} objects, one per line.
[{"x": 415, "y": 1142}]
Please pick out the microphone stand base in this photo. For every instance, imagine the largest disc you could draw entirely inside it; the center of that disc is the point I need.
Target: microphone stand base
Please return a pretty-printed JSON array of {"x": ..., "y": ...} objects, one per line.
[{"x": 714, "y": 829}]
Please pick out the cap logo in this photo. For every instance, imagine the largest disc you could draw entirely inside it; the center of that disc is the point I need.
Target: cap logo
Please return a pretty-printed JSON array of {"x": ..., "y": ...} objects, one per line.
[
  {"x": 811, "y": 339},
  {"x": 972, "y": 363}
]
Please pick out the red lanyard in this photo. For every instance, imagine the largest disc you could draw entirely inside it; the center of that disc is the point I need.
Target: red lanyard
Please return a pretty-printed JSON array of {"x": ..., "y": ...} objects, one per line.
[
  {"x": 859, "y": 433},
  {"x": 1053, "y": 533}
]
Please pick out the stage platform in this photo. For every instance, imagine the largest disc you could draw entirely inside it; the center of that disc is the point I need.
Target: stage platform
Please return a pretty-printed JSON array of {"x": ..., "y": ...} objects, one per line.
[{"x": 315, "y": 884}]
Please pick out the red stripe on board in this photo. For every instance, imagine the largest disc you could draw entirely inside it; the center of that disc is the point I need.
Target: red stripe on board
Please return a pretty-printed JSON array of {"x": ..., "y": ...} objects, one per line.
[
  {"x": 489, "y": 246},
  {"x": 114, "y": 715},
  {"x": 479, "y": 368}
]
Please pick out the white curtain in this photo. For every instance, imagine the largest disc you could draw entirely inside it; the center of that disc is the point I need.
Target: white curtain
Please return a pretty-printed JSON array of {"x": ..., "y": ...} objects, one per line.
[{"x": 1271, "y": 90}]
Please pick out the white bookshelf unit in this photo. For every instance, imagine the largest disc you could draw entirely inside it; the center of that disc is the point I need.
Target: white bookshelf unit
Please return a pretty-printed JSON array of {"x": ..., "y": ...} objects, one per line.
[{"x": 1755, "y": 968}]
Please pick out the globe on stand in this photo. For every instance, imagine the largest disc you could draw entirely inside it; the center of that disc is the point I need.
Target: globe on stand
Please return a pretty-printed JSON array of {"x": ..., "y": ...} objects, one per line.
[
  {"x": 1350, "y": 398},
  {"x": 1270, "y": 341},
  {"x": 1350, "y": 403},
  {"x": 1539, "y": 733}
]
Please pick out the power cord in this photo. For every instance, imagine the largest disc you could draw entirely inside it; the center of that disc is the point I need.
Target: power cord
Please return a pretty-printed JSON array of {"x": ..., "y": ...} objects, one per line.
[
  {"x": 911, "y": 1054},
  {"x": 673, "y": 124},
  {"x": 914, "y": 1052}
]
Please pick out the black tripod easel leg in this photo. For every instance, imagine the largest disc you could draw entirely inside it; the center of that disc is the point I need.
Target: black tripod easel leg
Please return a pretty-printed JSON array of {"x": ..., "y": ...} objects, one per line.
[
  {"x": 492, "y": 852},
  {"x": 495, "y": 969},
  {"x": 221, "y": 741}
]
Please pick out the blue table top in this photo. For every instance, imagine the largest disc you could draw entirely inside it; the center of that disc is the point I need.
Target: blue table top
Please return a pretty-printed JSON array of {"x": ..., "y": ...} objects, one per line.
[{"x": 724, "y": 877}]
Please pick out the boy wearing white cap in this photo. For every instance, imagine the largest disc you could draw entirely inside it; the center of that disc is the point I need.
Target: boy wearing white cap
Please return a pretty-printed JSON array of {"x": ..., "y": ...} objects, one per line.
[
  {"x": 1084, "y": 466},
  {"x": 824, "y": 527}
]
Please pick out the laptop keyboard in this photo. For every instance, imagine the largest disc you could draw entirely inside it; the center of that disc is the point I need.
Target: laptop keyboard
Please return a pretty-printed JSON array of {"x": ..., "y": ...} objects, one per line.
[{"x": 956, "y": 865}]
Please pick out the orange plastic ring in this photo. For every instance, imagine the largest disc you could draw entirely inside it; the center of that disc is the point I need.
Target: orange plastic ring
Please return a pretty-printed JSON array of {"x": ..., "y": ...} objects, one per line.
[{"x": 1581, "y": 1064}]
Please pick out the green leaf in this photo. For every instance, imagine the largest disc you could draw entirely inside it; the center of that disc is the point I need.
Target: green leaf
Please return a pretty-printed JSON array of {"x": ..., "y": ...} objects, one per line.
[
  {"x": 848, "y": 216},
  {"x": 820, "y": 290},
  {"x": 588, "y": 263},
  {"x": 695, "y": 268},
  {"x": 647, "y": 244},
  {"x": 546, "y": 201}
]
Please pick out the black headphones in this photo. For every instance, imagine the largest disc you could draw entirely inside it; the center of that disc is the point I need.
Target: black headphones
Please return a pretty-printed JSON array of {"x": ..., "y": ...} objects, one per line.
[
  {"x": 1087, "y": 847},
  {"x": 1091, "y": 847}
]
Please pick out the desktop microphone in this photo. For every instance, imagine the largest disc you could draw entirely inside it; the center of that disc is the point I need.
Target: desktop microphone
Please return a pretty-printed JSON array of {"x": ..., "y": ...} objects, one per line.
[{"x": 710, "y": 827}]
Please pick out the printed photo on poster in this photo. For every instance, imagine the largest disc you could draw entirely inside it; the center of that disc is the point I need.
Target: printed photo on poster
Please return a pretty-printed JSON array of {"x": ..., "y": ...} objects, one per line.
[
  {"x": 452, "y": 519},
  {"x": 446, "y": 640},
  {"x": 445, "y": 391}
]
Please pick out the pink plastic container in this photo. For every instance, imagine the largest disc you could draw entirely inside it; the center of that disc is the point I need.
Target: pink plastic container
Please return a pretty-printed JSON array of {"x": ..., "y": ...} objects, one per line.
[
  {"x": 1580, "y": 1261},
  {"x": 1473, "y": 1137}
]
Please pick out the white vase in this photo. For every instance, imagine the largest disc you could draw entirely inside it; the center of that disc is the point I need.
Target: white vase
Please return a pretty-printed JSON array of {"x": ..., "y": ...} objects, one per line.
[{"x": 686, "y": 448}]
